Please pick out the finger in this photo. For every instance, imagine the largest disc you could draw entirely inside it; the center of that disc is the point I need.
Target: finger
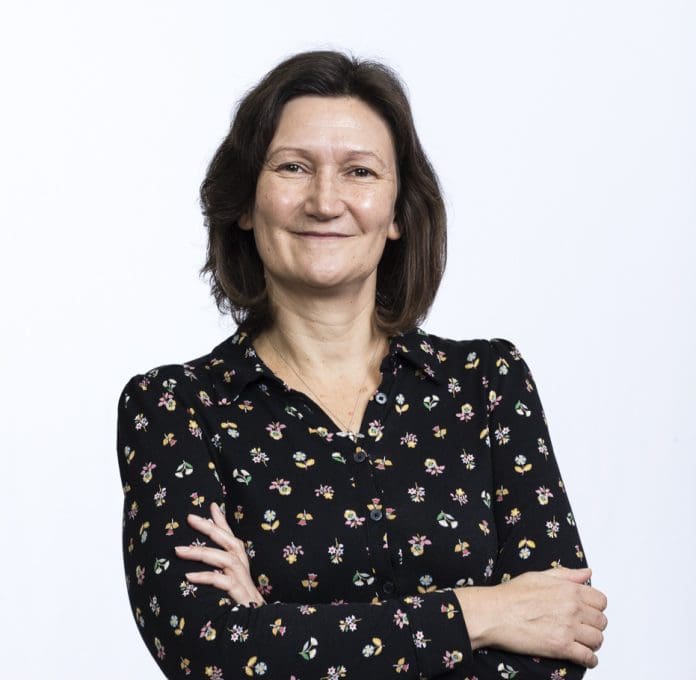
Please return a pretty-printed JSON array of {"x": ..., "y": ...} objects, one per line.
[
  {"x": 223, "y": 538},
  {"x": 212, "y": 556},
  {"x": 582, "y": 655},
  {"x": 593, "y": 597},
  {"x": 230, "y": 585},
  {"x": 594, "y": 617},
  {"x": 577, "y": 575},
  {"x": 237, "y": 544},
  {"x": 219, "y": 517},
  {"x": 589, "y": 636}
]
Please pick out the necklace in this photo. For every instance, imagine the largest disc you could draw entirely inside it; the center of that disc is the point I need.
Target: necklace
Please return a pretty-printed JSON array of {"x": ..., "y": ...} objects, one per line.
[{"x": 347, "y": 432}]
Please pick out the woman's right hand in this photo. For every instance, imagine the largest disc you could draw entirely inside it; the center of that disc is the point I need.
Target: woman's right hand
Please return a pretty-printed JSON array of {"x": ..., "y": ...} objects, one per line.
[{"x": 549, "y": 613}]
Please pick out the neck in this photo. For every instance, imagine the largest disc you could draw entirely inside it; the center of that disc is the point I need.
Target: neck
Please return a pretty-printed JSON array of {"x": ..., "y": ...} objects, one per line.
[{"x": 324, "y": 336}]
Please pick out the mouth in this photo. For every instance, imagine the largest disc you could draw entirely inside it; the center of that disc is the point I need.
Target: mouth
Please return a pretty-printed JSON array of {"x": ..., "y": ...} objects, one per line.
[{"x": 320, "y": 234}]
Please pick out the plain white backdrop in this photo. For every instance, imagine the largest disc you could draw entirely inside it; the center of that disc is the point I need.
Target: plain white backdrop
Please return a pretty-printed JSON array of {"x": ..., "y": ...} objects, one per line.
[{"x": 564, "y": 136}]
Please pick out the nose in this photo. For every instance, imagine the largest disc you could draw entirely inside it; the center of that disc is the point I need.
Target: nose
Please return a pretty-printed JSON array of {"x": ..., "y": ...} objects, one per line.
[{"x": 324, "y": 199}]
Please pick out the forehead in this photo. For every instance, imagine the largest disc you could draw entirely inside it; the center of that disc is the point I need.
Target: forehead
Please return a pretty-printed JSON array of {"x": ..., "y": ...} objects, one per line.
[{"x": 337, "y": 123}]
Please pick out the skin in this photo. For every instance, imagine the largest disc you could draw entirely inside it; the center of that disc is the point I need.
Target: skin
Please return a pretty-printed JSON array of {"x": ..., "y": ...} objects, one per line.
[{"x": 323, "y": 213}]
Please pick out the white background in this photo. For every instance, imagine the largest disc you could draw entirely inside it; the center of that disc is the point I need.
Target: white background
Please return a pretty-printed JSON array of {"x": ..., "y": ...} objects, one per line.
[{"x": 564, "y": 136}]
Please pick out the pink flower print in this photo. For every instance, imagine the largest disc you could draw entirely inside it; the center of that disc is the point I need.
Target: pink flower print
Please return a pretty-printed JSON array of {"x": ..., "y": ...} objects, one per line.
[
  {"x": 141, "y": 422},
  {"x": 418, "y": 544},
  {"x": 205, "y": 398},
  {"x": 453, "y": 386},
  {"x": 543, "y": 495},
  {"x": 459, "y": 496},
  {"x": 375, "y": 429},
  {"x": 352, "y": 519},
  {"x": 214, "y": 673},
  {"x": 264, "y": 586},
  {"x": 493, "y": 400},
  {"x": 275, "y": 430},
  {"x": 502, "y": 434},
  {"x": 146, "y": 472},
  {"x": 167, "y": 400},
  {"x": 432, "y": 468},
  {"x": 452, "y": 658},
  {"x": 420, "y": 640},
  {"x": 410, "y": 440},
  {"x": 195, "y": 429},
  {"x": 466, "y": 413},
  {"x": 400, "y": 618},
  {"x": 290, "y": 552}
]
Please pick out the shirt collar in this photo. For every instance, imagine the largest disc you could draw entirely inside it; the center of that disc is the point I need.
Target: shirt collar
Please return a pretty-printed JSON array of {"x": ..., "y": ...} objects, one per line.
[{"x": 236, "y": 361}]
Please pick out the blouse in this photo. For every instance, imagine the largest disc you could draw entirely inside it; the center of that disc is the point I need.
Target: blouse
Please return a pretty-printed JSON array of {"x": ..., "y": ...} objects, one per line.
[{"x": 355, "y": 541}]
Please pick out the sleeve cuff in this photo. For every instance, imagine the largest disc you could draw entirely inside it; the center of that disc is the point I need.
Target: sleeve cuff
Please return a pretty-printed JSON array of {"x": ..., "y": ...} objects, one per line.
[{"x": 439, "y": 632}]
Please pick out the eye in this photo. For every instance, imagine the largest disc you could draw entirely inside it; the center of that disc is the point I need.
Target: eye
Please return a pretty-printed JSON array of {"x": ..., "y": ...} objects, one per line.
[
  {"x": 363, "y": 172},
  {"x": 293, "y": 168}
]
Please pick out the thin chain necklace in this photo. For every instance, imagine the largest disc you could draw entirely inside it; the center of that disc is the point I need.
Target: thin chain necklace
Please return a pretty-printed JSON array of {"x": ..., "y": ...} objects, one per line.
[{"x": 353, "y": 436}]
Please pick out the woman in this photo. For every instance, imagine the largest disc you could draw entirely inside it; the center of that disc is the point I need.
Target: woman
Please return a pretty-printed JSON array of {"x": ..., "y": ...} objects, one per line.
[{"x": 394, "y": 494}]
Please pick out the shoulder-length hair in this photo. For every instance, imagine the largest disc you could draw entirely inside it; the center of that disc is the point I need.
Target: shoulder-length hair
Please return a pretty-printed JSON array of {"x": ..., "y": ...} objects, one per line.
[{"x": 411, "y": 267}]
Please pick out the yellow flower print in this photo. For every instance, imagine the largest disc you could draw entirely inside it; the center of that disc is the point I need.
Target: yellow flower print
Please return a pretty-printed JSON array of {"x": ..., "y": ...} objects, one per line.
[
  {"x": 167, "y": 400},
  {"x": 231, "y": 428},
  {"x": 500, "y": 493},
  {"x": 502, "y": 365},
  {"x": 401, "y": 665},
  {"x": 521, "y": 464},
  {"x": 301, "y": 460},
  {"x": 463, "y": 548},
  {"x": 277, "y": 628},
  {"x": 310, "y": 582},
  {"x": 169, "y": 439},
  {"x": 472, "y": 361},
  {"x": 270, "y": 523},
  {"x": 291, "y": 552},
  {"x": 197, "y": 499},
  {"x": 374, "y": 648},
  {"x": 418, "y": 544},
  {"x": 177, "y": 624},
  {"x": 194, "y": 429},
  {"x": 400, "y": 404},
  {"x": 526, "y": 545},
  {"x": 439, "y": 432},
  {"x": 303, "y": 518},
  {"x": 282, "y": 486}
]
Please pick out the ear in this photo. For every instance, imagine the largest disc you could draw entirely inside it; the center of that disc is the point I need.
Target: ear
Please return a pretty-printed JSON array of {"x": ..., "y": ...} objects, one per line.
[
  {"x": 394, "y": 232},
  {"x": 245, "y": 222}
]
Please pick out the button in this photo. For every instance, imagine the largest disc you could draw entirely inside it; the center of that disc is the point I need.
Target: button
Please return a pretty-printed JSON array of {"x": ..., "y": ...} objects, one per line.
[
  {"x": 376, "y": 514},
  {"x": 359, "y": 456},
  {"x": 388, "y": 587},
  {"x": 381, "y": 398}
]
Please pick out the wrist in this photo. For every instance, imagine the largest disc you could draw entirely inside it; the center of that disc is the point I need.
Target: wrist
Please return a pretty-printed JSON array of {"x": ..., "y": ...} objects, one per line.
[{"x": 477, "y": 604}]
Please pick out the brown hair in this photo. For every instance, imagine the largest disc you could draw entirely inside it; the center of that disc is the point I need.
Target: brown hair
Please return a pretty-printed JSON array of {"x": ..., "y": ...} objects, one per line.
[{"x": 411, "y": 267}]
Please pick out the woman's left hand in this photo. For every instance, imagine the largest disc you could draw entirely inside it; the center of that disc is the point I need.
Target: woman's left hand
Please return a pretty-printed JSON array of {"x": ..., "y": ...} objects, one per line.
[{"x": 233, "y": 574}]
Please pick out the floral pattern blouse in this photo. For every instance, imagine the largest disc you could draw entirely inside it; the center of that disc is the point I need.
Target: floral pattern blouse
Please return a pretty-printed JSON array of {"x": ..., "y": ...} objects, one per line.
[{"x": 355, "y": 541}]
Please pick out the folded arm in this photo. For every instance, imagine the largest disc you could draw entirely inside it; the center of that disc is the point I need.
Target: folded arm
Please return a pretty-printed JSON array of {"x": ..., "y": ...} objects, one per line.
[{"x": 167, "y": 467}]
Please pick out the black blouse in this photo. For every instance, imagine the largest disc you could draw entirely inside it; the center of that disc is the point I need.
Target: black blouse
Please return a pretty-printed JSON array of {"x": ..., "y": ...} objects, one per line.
[{"x": 355, "y": 543}]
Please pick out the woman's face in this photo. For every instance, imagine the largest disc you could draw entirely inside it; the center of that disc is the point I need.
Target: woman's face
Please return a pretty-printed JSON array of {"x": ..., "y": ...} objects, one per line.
[{"x": 325, "y": 197}]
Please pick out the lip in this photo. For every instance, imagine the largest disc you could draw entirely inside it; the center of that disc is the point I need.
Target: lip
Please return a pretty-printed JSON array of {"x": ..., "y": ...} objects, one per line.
[{"x": 320, "y": 234}]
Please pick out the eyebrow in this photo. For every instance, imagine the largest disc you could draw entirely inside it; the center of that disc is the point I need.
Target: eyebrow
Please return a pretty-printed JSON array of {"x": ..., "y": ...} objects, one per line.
[{"x": 353, "y": 153}]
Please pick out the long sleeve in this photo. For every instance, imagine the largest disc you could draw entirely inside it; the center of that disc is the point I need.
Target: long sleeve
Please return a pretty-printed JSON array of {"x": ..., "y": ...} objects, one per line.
[
  {"x": 535, "y": 525},
  {"x": 168, "y": 468}
]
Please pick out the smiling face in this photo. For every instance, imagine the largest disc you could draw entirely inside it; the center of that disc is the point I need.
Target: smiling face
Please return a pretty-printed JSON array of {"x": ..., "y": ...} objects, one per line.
[{"x": 325, "y": 197}]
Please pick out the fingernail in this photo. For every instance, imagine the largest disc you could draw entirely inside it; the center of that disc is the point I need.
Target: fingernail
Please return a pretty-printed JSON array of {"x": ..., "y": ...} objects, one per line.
[{"x": 181, "y": 547}]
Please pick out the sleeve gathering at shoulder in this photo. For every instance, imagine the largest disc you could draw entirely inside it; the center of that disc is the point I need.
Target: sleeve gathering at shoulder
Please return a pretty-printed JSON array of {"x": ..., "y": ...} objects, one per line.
[
  {"x": 534, "y": 520},
  {"x": 167, "y": 467}
]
